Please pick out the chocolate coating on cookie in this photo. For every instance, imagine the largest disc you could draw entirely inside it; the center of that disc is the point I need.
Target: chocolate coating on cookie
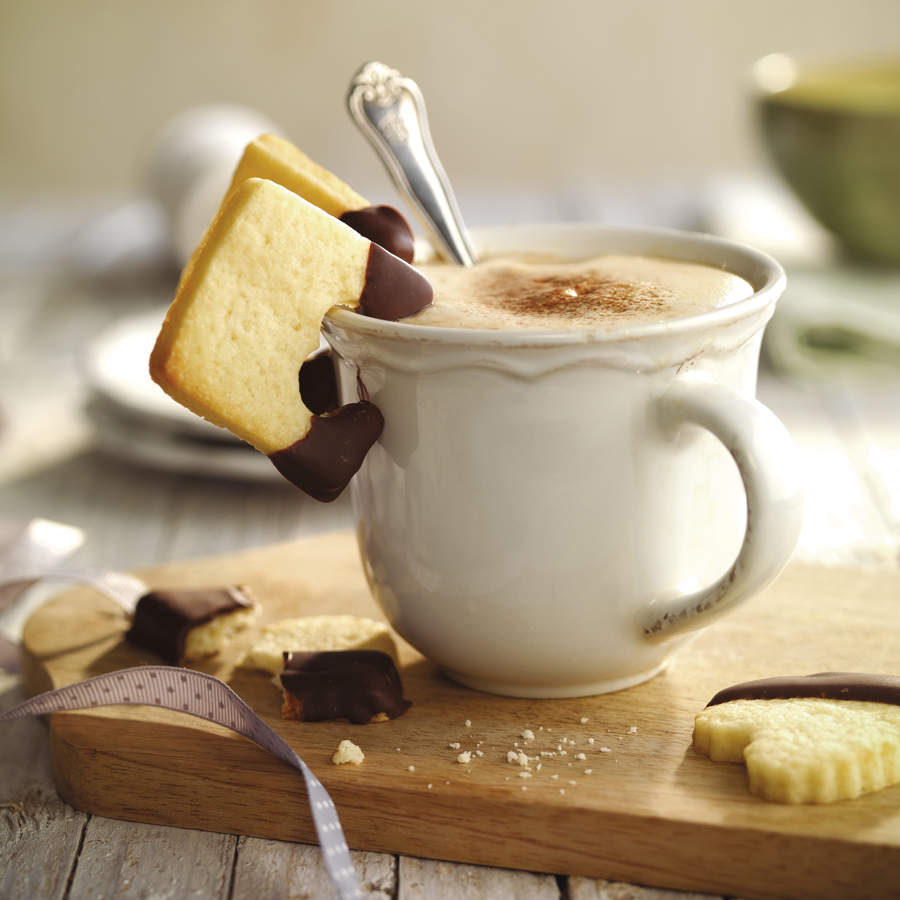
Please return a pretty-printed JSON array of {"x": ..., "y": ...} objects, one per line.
[
  {"x": 162, "y": 619},
  {"x": 825, "y": 685},
  {"x": 324, "y": 460},
  {"x": 318, "y": 384},
  {"x": 384, "y": 226},
  {"x": 359, "y": 685},
  {"x": 392, "y": 288}
]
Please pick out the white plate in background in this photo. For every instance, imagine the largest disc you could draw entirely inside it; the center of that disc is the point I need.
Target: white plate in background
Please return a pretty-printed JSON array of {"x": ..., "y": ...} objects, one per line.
[
  {"x": 134, "y": 441},
  {"x": 135, "y": 420},
  {"x": 116, "y": 370}
]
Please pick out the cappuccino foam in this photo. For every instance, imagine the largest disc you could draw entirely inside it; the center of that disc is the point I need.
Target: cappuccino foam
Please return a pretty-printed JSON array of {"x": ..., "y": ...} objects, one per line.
[{"x": 548, "y": 293}]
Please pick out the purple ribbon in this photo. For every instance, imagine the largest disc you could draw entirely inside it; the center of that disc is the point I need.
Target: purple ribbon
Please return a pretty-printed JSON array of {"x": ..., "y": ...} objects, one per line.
[{"x": 206, "y": 697}]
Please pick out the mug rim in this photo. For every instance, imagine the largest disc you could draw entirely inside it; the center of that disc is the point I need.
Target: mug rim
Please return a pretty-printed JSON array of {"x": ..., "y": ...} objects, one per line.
[{"x": 765, "y": 275}]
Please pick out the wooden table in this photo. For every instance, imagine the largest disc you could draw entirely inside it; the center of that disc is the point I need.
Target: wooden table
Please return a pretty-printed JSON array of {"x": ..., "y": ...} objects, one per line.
[{"x": 848, "y": 433}]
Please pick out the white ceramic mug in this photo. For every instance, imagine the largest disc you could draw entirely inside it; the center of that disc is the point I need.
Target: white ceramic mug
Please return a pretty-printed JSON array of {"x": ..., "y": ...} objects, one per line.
[{"x": 549, "y": 514}]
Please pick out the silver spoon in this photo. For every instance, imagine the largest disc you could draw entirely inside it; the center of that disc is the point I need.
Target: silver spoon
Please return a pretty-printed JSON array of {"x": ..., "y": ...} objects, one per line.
[{"x": 390, "y": 111}]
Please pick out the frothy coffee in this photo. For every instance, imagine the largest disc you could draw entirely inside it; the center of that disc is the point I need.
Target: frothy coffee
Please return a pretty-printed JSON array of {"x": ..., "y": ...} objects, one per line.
[{"x": 549, "y": 293}]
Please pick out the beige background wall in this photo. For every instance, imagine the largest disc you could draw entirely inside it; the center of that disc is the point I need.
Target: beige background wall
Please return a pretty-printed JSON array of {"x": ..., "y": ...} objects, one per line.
[{"x": 550, "y": 92}]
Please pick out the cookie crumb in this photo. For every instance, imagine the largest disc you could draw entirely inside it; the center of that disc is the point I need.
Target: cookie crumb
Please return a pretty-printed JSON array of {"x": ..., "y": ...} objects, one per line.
[
  {"x": 454, "y": 745},
  {"x": 465, "y": 757},
  {"x": 605, "y": 750},
  {"x": 468, "y": 723},
  {"x": 584, "y": 720},
  {"x": 580, "y": 756},
  {"x": 588, "y": 771},
  {"x": 524, "y": 774},
  {"x": 632, "y": 729},
  {"x": 527, "y": 735},
  {"x": 428, "y": 785},
  {"x": 517, "y": 757},
  {"x": 347, "y": 752},
  {"x": 411, "y": 768}
]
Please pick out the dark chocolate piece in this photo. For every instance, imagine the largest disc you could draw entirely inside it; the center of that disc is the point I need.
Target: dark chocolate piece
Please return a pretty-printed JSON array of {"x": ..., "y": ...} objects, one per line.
[
  {"x": 162, "y": 619},
  {"x": 384, "y": 226},
  {"x": 318, "y": 384},
  {"x": 359, "y": 685},
  {"x": 324, "y": 460},
  {"x": 392, "y": 288},
  {"x": 826, "y": 685}
]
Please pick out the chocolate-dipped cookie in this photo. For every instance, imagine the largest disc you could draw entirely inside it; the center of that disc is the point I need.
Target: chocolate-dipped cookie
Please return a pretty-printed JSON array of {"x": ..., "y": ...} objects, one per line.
[
  {"x": 316, "y": 633},
  {"x": 187, "y": 625},
  {"x": 362, "y": 686},
  {"x": 248, "y": 312},
  {"x": 272, "y": 157},
  {"x": 807, "y": 739}
]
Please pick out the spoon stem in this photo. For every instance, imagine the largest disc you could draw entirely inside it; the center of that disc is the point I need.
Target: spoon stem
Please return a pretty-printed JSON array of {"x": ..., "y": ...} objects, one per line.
[{"x": 390, "y": 111}]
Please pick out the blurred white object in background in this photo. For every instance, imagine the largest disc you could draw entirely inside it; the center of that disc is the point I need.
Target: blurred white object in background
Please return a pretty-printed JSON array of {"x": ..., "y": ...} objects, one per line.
[
  {"x": 191, "y": 163},
  {"x": 759, "y": 209},
  {"x": 837, "y": 318}
]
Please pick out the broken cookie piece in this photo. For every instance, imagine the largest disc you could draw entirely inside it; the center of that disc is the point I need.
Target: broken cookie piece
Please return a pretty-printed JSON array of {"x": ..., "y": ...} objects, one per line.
[
  {"x": 316, "y": 633},
  {"x": 812, "y": 739},
  {"x": 247, "y": 313},
  {"x": 278, "y": 160},
  {"x": 188, "y": 625},
  {"x": 362, "y": 686},
  {"x": 347, "y": 752}
]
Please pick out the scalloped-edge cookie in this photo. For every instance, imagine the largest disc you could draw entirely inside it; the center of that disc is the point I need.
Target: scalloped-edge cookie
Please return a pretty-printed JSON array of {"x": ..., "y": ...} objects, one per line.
[
  {"x": 310, "y": 633},
  {"x": 809, "y": 739}
]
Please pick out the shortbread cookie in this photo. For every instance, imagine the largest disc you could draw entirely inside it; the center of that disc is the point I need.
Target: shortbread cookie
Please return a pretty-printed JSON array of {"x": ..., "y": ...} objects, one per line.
[
  {"x": 247, "y": 313},
  {"x": 813, "y": 739},
  {"x": 314, "y": 633},
  {"x": 362, "y": 686},
  {"x": 272, "y": 157},
  {"x": 183, "y": 626}
]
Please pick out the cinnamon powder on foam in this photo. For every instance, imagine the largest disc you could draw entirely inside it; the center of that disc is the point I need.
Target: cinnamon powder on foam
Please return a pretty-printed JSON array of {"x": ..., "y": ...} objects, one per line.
[{"x": 536, "y": 292}]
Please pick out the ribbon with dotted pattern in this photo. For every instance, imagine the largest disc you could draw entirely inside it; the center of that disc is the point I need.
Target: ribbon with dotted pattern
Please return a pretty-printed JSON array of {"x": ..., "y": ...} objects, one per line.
[{"x": 206, "y": 697}]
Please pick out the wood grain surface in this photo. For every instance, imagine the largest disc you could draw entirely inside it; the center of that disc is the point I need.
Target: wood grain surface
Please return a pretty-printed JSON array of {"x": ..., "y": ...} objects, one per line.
[{"x": 649, "y": 810}]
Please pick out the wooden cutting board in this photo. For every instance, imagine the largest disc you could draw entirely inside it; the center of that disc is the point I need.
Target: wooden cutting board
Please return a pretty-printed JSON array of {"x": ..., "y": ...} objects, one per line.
[{"x": 640, "y": 806}]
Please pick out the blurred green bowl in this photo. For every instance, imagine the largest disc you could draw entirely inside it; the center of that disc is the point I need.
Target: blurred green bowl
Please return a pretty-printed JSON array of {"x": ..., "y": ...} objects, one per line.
[{"x": 834, "y": 133}]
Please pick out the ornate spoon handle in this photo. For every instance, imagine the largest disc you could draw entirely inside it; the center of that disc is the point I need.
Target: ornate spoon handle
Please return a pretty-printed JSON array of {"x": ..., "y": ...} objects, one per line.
[{"x": 390, "y": 111}]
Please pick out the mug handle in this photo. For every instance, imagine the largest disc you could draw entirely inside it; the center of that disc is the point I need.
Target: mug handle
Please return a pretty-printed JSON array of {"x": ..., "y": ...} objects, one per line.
[{"x": 769, "y": 469}]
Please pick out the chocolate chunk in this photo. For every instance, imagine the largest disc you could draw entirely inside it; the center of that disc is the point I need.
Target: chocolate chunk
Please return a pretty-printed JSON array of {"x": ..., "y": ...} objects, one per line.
[
  {"x": 318, "y": 384},
  {"x": 162, "y": 619},
  {"x": 392, "y": 288},
  {"x": 324, "y": 460},
  {"x": 827, "y": 685},
  {"x": 385, "y": 226},
  {"x": 359, "y": 685}
]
